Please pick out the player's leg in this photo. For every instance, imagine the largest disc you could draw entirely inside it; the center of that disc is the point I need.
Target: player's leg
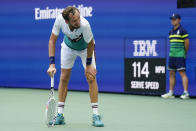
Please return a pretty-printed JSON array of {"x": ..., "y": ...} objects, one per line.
[
  {"x": 172, "y": 81},
  {"x": 93, "y": 87},
  {"x": 184, "y": 80},
  {"x": 67, "y": 62},
  {"x": 93, "y": 92},
  {"x": 182, "y": 72},
  {"x": 172, "y": 78},
  {"x": 62, "y": 90}
]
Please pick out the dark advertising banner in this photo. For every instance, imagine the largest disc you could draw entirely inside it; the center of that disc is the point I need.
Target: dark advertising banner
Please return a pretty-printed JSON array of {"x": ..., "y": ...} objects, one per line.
[{"x": 145, "y": 65}]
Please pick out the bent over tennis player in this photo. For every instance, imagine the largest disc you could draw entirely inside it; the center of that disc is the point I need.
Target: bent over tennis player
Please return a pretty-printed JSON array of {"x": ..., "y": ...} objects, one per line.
[{"x": 78, "y": 41}]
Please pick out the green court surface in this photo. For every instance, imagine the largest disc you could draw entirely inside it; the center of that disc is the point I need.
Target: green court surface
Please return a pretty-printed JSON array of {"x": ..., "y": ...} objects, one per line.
[{"x": 23, "y": 110}]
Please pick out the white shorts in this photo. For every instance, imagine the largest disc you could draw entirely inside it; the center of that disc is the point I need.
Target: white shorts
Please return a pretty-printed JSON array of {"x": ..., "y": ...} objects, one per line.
[{"x": 68, "y": 57}]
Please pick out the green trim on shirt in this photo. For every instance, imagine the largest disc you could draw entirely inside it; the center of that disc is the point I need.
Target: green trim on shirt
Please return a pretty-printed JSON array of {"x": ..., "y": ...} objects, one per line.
[{"x": 79, "y": 45}]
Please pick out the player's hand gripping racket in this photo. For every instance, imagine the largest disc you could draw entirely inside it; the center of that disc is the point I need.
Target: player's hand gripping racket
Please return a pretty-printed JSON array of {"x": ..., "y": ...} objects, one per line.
[{"x": 50, "y": 114}]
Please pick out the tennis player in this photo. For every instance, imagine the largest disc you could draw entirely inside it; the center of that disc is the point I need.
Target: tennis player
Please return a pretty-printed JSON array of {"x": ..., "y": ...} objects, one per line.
[
  {"x": 78, "y": 41},
  {"x": 179, "y": 45}
]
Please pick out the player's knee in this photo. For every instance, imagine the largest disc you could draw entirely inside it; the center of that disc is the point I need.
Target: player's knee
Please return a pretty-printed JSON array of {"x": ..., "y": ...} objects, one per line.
[
  {"x": 90, "y": 81},
  {"x": 65, "y": 78},
  {"x": 182, "y": 73},
  {"x": 172, "y": 73}
]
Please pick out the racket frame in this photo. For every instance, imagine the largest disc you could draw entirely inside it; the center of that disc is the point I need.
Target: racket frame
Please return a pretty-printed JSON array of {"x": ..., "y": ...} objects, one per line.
[{"x": 51, "y": 97}]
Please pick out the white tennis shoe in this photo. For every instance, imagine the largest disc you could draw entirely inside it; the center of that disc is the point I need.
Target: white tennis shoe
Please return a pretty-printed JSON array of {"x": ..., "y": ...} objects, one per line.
[
  {"x": 184, "y": 96},
  {"x": 168, "y": 95}
]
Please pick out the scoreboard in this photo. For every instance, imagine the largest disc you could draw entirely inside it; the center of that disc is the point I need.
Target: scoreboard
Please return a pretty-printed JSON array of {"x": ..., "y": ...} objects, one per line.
[{"x": 145, "y": 65}]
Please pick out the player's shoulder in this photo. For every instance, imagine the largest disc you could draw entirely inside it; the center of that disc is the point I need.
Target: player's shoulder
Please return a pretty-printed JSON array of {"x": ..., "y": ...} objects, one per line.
[
  {"x": 170, "y": 31},
  {"x": 84, "y": 22},
  {"x": 60, "y": 17},
  {"x": 182, "y": 29}
]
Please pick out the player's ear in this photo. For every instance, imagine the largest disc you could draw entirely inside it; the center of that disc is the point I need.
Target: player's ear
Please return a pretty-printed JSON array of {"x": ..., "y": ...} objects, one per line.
[{"x": 66, "y": 21}]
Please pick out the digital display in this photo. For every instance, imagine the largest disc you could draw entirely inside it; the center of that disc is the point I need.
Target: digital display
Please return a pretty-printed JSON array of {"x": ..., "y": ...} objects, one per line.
[
  {"x": 145, "y": 76},
  {"x": 145, "y": 66}
]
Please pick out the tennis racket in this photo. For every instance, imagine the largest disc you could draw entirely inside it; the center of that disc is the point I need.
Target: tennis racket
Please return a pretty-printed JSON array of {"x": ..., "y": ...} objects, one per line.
[{"x": 50, "y": 113}]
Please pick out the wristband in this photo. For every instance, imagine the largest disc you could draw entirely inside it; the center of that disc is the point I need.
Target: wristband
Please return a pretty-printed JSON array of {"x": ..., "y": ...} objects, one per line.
[
  {"x": 88, "y": 61},
  {"x": 52, "y": 59}
]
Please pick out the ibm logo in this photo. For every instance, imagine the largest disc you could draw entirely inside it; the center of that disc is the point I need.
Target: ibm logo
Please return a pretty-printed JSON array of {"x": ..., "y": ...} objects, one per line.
[{"x": 145, "y": 48}]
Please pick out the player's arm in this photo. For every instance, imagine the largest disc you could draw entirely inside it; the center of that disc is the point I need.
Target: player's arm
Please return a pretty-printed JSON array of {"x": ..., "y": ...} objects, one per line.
[
  {"x": 88, "y": 37},
  {"x": 90, "y": 49},
  {"x": 89, "y": 68},
  {"x": 186, "y": 45},
  {"x": 52, "y": 42},
  {"x": 51, "y": 46},
  {"x": 185, "y": 36}
]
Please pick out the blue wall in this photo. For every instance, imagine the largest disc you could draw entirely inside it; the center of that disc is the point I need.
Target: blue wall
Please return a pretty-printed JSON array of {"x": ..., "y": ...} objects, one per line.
[{"x": 24, "y": 40}]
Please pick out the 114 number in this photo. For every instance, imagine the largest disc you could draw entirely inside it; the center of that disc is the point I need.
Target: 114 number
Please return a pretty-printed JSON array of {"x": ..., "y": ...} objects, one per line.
[{"x": 138, "y": 70}]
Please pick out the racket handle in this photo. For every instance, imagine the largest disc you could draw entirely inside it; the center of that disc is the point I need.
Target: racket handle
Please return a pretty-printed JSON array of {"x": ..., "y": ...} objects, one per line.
[{"x": 52, "y": 81}]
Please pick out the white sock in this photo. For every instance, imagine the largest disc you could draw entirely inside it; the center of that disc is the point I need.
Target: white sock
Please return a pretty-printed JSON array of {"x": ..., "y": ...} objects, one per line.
[
  {"x": 61, "y": 107},
  {"x": 186, "y": 92},
  {"x": 171, "y": 92},
  {"x": 95, "y": 108}
]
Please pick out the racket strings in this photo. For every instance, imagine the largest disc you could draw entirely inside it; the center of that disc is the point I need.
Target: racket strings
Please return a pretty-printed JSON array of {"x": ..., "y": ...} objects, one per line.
[
  {"x": 51, "y": 114},
  {"x": 51, "y": 95}
]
